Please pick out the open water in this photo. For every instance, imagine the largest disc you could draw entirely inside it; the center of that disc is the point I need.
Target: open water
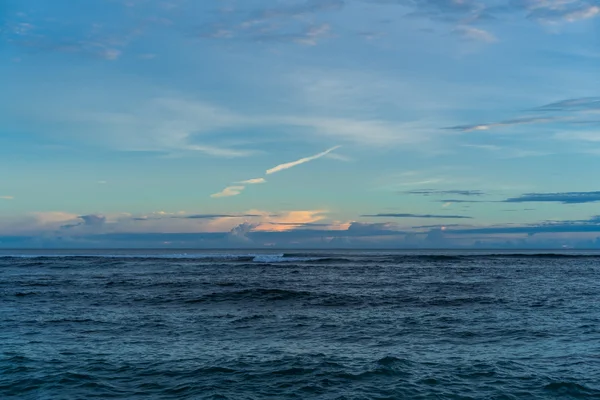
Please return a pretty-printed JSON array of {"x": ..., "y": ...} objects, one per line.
[{"x": 302, "y": 325}]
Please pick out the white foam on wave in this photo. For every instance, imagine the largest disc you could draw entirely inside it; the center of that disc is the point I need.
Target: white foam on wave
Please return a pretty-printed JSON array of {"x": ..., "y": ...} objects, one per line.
[{"x": 277, "y": 258}]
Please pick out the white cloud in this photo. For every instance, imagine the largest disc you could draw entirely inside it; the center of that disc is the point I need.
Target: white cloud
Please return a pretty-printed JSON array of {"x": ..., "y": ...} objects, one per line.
[
  {"x": 313, "y": 34},
  {"x": 229, "y": 191},
  {"x": 6, "y": 197},
  {"x": 254, "y": 181},
  {"x": 110, "y": 54},
  {"x": 508, "y": 152},
  {"x": 338, "y": 157},
  {"x": 292, "y": 164},
  {"x": 583, "y": 13}
]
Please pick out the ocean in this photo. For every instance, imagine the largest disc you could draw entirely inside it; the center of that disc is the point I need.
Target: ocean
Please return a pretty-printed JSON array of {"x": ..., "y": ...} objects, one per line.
[{"x": 299, "y": 325}]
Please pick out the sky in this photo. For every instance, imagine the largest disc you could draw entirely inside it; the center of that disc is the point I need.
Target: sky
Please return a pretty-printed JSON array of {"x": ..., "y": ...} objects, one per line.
[{"x": 300, "y": 123}]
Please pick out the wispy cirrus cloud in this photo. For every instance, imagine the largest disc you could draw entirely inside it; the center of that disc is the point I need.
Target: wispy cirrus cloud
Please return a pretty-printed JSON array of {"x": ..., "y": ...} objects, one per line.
[
  {"x": 554, "y": 11},
  {"x": 236, "y": 190},
  {"x": 215, "y": 216},
  {"x": 510, "y": 122},
  {"x": 474, "y": 34},
  {"x": 406, "y": 215},
  {"x": 433, "y": 192},
  {"x": 309, "y": 36},
  {"x": 566, "y": 120},
  {"x": 301, "y": 161},
  {"x": 7, "y": 198},
  {"x": 509, "y": 152},
  {"x": 292, "y": 23},
  {"x": 576, "y": 104},
  {"x": 229, "y": 192}
]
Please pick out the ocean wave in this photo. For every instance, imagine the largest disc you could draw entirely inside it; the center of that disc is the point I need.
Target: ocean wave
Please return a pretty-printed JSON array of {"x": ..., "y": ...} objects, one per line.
[
  {"x": 571, "y": 389},
  {"x": 252, "y": 294},
  {"x": 217, "y": 257},
  {"x": 286, "y": 258}
]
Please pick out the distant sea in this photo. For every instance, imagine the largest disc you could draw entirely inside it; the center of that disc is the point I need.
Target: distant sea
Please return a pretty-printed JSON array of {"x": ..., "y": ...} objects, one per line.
[{"x": 299, "y": 325}]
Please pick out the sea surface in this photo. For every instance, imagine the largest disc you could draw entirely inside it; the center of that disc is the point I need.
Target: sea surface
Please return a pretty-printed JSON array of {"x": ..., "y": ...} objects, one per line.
[{"x": 299, "y": 325}]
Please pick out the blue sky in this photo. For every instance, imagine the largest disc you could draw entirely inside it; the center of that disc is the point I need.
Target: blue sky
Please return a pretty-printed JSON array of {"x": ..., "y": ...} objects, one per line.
[{"x": 295, "y": 123}]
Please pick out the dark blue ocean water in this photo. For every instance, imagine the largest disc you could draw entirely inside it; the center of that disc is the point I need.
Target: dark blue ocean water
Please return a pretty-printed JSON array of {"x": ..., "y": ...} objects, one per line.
[{"x": 338, "y": 325}]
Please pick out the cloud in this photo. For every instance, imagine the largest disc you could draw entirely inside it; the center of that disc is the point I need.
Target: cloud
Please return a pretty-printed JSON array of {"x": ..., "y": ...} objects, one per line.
[
  {"x": 509, "y": 152},
  {"x": 92, "y": 220},
  {"x": 214, "y": 216},
  {"x": 170, "y": 125},
  {"x": 564, "y": 198},
  {"x": 568, "y": 115},
  {"x": 561, "y": 10},
  {"x": 292, "y": 23},
  {"x": 238, "y": 235},
  {"x": 443, "y": 10},
  {"x": 229, "y": 191},
  {"x": 290, "y": 220},
  {"x": 450, "y": 201},
  {"x": 581, "y": 226},
  {"x": 576, "y": 104},
  {"x": 98, "y": 231},
  {"x": 510, "y": 122},
  {"x": 310, "y": 36},
  {"x": 292, "y": 164},
  {"x": 372, "y": 229},
  {"x": 469, "y": 11},
  {"x": 254, "y": 181},
  {"x": 416, "y": 216},
  {"x": 474, "y": 34},
  {"x": 297, "y": 224},
  {"x": 432, "y": 192},
  {"x": 236, "y": 190},
  {"x": 7, "y": 198},
  {"x": 444, "y": 227}
]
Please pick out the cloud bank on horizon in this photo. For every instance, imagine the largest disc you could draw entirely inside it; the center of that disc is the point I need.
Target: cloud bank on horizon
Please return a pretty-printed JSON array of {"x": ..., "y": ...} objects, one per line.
[{"x": 481, "y": 114}]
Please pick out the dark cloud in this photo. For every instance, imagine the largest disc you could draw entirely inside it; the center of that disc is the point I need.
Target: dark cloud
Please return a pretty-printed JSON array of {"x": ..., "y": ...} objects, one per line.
[
  {"x": 577, "y": 104},
  {"x": 359, "y": 235},
  {"x": 564, "y": 198},
  {"x": 372, "y": 229},
  {"x": 416, "y": 216},
  {"x": 432, "y": 192},
  {"x": 87, "y": 220},
  {"x": 557, "y": 227}
]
